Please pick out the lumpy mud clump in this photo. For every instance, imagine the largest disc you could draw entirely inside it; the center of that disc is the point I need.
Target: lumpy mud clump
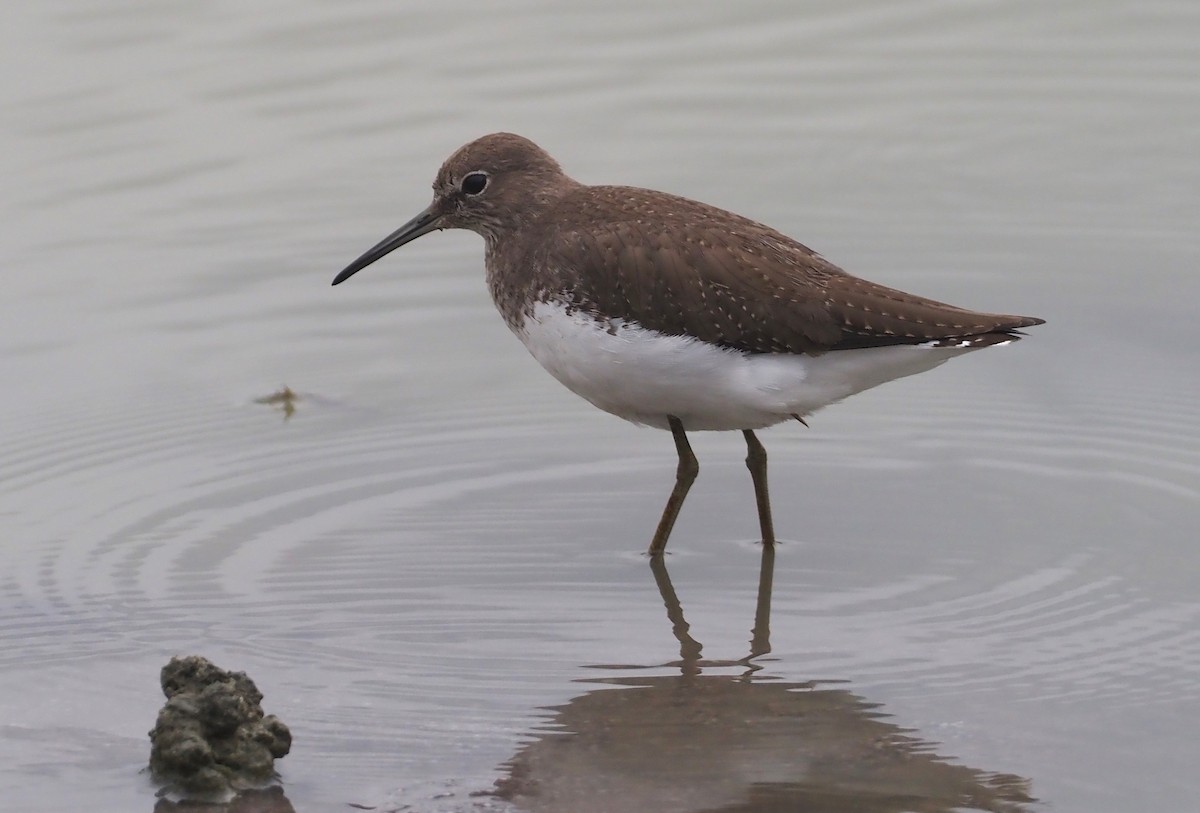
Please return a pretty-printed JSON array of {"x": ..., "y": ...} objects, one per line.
[{"x": 212, "y": 737}]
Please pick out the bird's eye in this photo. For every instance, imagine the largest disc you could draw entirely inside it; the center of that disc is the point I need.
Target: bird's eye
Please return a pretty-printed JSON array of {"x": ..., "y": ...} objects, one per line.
[{"x": 474, "y": 183}]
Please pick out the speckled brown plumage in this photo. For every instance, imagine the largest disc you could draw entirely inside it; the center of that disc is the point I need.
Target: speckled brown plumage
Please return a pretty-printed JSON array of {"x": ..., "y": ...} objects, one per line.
[
  {"x": 679, "y": 266},
  {"x": 682, "y": 267},
  {"x": 669, "y": 264}
]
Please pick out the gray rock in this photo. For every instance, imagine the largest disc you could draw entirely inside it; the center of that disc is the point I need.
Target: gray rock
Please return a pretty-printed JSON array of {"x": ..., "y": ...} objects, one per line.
[{"x": 212, "y": 737}]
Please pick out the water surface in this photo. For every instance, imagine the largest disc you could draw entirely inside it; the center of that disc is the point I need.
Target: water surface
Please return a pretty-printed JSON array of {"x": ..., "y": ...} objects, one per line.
[{"x": 986, "y": 588}]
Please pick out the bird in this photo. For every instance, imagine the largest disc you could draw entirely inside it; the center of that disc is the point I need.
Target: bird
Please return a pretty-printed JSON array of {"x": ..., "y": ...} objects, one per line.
[{"x": 678, "y": 315}]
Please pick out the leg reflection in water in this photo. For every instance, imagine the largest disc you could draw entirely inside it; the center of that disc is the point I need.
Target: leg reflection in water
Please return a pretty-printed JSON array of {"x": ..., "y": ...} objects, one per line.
[{"x": 722, "y": 736}]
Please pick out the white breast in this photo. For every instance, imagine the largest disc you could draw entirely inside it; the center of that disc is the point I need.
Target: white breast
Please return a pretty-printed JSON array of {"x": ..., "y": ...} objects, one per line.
[{"x": 644, "y": 376}]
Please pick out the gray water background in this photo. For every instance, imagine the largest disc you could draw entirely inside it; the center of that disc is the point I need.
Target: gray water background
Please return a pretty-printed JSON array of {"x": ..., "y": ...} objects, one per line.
[{"x": 441, "y": 543}]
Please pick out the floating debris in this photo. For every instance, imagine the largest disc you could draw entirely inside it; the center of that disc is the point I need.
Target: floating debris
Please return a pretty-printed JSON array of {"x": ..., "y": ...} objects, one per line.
[
  {"x": 285, "y": 399},
  {"x": 212, "y": 738}
]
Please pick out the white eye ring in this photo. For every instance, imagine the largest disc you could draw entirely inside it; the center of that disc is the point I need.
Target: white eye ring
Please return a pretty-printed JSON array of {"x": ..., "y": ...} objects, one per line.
[{"x": 473, "y": 183}]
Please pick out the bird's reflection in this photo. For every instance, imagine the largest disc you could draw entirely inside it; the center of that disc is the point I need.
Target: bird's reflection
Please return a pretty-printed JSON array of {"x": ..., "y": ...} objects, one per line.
[{"x": 710, "y": 740}]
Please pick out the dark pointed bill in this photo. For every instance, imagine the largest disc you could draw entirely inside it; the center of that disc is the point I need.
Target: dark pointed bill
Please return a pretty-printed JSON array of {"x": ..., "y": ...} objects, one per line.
[{"x": 423, "y": 223}]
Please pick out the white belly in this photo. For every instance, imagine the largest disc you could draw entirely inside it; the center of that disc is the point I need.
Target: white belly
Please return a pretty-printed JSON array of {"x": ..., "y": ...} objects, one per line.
[{"x": 644, "y": 376}]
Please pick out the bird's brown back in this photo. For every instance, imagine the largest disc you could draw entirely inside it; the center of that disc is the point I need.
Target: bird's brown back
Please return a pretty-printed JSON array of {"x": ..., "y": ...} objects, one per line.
[{"x": 679, "y": 267}]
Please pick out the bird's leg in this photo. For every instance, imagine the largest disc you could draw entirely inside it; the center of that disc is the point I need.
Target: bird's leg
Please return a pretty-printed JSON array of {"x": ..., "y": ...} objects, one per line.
[
  {"x": 685, "y": 475},
  {"x": 756, "y": 461}
]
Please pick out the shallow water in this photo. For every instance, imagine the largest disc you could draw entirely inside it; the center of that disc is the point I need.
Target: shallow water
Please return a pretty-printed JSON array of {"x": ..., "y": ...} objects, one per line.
[{"x": 433, "y": 567}]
